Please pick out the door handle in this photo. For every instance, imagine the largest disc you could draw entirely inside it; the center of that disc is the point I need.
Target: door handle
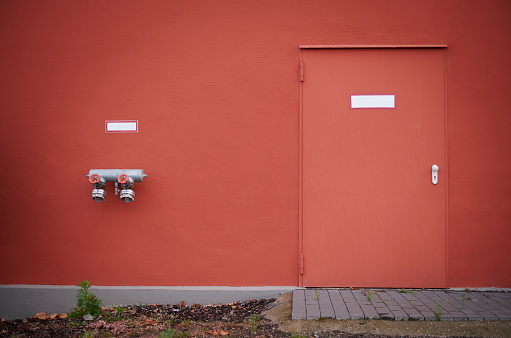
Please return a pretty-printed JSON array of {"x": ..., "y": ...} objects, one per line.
[{"x": 434, "y": 174}]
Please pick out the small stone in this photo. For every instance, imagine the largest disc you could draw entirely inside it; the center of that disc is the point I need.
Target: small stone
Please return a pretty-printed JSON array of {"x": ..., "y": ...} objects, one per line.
[{"x": 88, "y": 317}]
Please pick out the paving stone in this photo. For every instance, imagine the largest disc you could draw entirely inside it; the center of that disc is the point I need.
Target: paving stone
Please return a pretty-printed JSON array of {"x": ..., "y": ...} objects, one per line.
[
  {"x": 298, "y": 315},
  {"x": 340, "y": 310},
  {"x": 428, "y": 316},
  {"x": 312, "y": 308},
  {"x": 384, "y": 313},
  {"x": 370, "y": 314},
  {"x": 313, "y": 312},
  {"x": 446, "y": 317},
  {"x": 334, "y": 294},
  {"x": 458, "y": 316},
  {"x": 400, "y": 316},
  {"x": 309, "y": 293},
  {"x": 488, "y": 316},
  {"x": 500, "y": 314},
  {"x": 355, "y": 311},
  {"x": 347, "y": 296},
  {"x": 385, "y": 296},
  {"x": 415, "y": 316},
  {"x": 423, "y": 306},
  {"x": 395, "y": 309},
  {"x": 341, "y": 313},
  {"x": 298, "y": 294},
  {"x": 391, "y": 303},
  {"x": 327, "y": 312},
  {"x": 299, "y": 309}
]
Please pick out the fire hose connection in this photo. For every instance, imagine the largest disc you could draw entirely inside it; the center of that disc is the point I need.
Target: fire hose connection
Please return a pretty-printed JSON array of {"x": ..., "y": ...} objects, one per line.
[{"x": 125, "y": 177}]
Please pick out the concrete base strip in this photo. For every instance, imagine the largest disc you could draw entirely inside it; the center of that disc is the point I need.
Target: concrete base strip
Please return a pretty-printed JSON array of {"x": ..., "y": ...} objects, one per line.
[{"x": 22, "y": 301}]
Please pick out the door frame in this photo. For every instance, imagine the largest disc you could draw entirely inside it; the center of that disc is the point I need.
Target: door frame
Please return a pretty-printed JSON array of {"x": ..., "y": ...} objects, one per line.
[{"x": 302, "y": 77}]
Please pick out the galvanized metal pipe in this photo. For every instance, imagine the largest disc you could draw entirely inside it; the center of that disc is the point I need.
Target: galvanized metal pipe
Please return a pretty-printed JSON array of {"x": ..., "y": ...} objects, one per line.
[{"x": 110, "y": 175}]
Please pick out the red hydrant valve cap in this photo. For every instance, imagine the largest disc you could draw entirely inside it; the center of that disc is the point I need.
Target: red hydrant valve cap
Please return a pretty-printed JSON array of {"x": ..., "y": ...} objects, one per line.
[
  {"x": 94, "y": 178},
  {"x": 123, "y": 178}
]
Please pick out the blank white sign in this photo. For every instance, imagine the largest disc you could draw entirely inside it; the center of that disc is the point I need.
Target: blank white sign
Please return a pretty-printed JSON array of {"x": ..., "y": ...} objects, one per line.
[
  {"x": 373, "y": 101},
  {"x": 121, "y": 126}
]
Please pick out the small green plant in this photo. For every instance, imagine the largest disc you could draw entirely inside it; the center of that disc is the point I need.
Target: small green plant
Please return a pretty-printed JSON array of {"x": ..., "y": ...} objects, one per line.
[
  {"x": 254, "y": 321},
  {"x": 88, "y": 334},
  {"x": 463, "y": 300},
  {"x": 405, "y": 291},
  {"x": 297, "y": 335},
  {"x": 317, "y": 294},
  {"x": 88, "y": 302},
  {"x": 438, "y": 311},
  {"x": 186, "y": 322},
  {"x": 110, "y": 317},
  {"x": 369, "y": 295}
]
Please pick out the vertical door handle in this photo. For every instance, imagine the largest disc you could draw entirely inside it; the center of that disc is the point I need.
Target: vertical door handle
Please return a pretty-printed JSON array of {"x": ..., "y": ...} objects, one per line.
[{"x": 434, "y": 174}]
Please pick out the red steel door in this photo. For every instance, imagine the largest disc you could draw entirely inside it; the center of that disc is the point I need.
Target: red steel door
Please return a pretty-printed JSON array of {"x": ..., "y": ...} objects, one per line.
[{"x": 373, "y": 127}]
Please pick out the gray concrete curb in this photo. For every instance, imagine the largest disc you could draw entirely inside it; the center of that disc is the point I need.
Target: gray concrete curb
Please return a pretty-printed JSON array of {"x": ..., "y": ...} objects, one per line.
[{"x": 22, "y": 301}]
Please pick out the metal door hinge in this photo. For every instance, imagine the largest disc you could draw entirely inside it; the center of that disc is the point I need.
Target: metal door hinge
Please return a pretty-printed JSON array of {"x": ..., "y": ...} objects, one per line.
[
  {"x": 301, "y": 71},
  {"x": 301, "y": 264}
]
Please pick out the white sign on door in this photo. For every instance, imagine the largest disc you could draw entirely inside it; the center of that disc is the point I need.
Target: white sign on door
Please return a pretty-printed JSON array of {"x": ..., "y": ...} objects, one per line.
[
  {"x": 121, "y": 126},
  {"x": 373, "y": 101}
]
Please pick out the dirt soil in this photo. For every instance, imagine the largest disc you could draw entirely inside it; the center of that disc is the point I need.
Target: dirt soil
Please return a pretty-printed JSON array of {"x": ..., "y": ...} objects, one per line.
[{"x": 255, "y": 318}]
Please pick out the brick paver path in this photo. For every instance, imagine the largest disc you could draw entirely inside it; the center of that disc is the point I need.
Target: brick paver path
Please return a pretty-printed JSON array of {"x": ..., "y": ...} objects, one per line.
[{"x": 401, "y": 304}]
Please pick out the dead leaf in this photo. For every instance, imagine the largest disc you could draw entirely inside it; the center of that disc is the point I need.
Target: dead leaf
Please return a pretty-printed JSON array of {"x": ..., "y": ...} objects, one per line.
[
  {"x": 219, "y": 304},
  {"x": 53, "y": 316},
  {"x": 41, "y": 315},
  {"x": 217, "y": 333},
  {"x": 230, "y": 304},
  {"x": 153, "y": 304},
  {"x": 149, "y": 321},
  {"x": 62, "y": 316},
  {"x": 3, "y": 319},
  {"x": 234, "y": 306},
  {"x": 182, "y": 303},
  {"x": 103, "y": 308}
]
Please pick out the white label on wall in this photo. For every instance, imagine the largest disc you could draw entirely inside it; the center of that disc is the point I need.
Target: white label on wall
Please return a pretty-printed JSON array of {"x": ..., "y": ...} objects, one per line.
[
  {"x": 122, "y": 126},
  {"x": 373, "y": 101}
]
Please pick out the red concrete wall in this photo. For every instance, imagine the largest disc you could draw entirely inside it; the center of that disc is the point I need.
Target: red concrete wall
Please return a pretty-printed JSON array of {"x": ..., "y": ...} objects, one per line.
[{"x": 215, "y": 89}]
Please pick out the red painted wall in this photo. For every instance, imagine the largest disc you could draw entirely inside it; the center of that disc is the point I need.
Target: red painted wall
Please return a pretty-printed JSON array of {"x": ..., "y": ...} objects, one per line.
[{"x": 214, "y": 86}]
